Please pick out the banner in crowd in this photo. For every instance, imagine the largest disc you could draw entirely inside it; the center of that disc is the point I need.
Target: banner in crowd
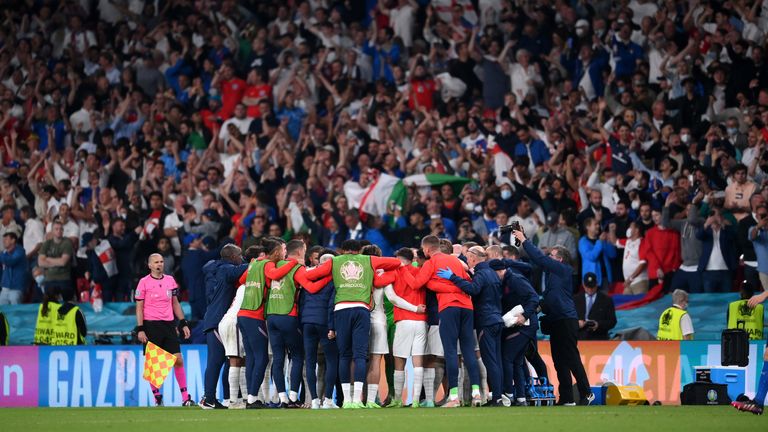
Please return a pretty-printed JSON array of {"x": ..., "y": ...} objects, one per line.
[{"x": 111, "y": 375}]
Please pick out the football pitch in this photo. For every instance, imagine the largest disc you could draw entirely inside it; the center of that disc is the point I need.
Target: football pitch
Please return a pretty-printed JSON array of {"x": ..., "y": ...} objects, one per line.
[{"x": 599, "y": 418}]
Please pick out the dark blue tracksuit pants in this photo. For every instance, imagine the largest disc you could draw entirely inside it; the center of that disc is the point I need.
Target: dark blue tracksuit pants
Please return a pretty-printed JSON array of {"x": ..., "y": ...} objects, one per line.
[
  {"x": 456, "y": 324},
  {"x": 216, "y": 360},
  {"x": 513, "y": 353},
  {"x": 284, "y": 335},
  {"x": 314, "y": 334},
  {"x": 353, "y": 327},
  {"x": 489, "y": 340},
  {"x": 256, "y": 344}
]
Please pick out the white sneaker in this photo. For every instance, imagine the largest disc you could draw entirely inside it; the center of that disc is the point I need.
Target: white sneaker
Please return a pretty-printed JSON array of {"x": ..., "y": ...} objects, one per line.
[
  {"x": 570, "y": 404},
  {"x": 506, "y": 401},
  {"x": 315, "y": 404},
  {"x": 328, "y": 404},
  {"x": 236, "y": 405}
]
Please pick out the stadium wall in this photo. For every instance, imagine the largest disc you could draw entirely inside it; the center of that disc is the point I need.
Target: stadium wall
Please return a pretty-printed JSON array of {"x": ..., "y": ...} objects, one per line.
[{"x": 110, "y": 375}]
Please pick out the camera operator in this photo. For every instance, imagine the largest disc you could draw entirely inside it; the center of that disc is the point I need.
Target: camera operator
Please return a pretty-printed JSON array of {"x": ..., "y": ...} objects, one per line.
[{"x": 560, "y": 320}]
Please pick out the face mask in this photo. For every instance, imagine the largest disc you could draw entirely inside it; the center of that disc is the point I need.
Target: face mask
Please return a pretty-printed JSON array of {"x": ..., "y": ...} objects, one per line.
[
  {"x": 733, "y": 131},
  {"x": 580, "y": 31},
  {"x": 600, "y": 33},
  {"x": 506, "y": 194},
  {"x": 629, "y": 232},
  {"x": 635, "y": 205},
  {"x": 685, "y": 138},
  {"x": 611, "y": 181},
  {"x": 469, "y": 207},
  {"x": 39, "y": 279}
]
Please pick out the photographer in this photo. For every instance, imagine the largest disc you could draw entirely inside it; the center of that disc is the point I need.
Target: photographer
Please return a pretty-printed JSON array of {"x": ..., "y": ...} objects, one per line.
[{"x": 560, "y": 319}]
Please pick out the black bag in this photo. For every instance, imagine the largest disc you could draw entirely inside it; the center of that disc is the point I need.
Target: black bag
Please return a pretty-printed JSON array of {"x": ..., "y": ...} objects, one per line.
[
  {"x": 734, "y": 348},
  {"x": 704, "y": 393}
]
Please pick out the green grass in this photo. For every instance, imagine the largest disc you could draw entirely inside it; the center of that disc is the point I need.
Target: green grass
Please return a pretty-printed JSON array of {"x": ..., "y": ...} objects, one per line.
[{"x": 534, "y": 419}]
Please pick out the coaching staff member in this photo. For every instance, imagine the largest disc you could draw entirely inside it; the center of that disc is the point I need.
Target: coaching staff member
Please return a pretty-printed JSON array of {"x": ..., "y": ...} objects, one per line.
[
  {"x": 597, "y": 315},
  {"x": 221, "y": 277},
  {"x": 560, "y": 319}
]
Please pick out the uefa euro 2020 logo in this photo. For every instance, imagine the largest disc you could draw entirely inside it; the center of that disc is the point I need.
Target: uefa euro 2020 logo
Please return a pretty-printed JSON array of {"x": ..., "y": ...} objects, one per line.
[
  {"x": 711, "y": 396},
  {"x": 351, "y": 271}
]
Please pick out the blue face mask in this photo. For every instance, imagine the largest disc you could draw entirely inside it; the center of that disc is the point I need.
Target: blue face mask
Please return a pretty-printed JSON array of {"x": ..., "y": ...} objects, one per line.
[
  {"x": 733, "y": 131},
  {"x": 506, "y": 194}
]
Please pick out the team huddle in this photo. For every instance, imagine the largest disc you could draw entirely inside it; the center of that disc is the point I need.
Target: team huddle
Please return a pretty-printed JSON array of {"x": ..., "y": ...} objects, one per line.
[{"x": 287, "y": 302}]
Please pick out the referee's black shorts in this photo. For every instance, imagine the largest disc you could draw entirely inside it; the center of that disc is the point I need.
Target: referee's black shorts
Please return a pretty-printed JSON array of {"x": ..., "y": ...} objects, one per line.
[{"x": 163, "y": 334}]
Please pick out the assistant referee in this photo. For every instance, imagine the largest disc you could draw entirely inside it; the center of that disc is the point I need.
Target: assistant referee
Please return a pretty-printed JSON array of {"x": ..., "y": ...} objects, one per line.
[{"x": 157, "y": 303}]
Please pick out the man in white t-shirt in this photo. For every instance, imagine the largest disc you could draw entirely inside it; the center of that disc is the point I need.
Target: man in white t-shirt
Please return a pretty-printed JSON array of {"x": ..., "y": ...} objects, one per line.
[{"x": 633, "y": 266}]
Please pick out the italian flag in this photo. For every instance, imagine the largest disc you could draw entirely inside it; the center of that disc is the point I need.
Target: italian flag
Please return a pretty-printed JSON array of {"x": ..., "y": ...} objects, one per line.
[{"x": 387, "y": 189}]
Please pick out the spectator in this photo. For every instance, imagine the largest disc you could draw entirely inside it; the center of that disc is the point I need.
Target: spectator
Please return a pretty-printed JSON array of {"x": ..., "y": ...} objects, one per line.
[
  {"x": 718, "y": 256},
  {"x": 759, "y": 237},
  {"x": 687, "y": 276},
  {"x": 594, "y": 210},
  {"x": 744, "y": 246},
  {"x": 14, "y": 279},
  {"x": 739, "y": 192},
  {"x": 661, "y": 248},
  {"x": 552, "y": 234},
  {"x": 596, "y": 253},
  {"x": 54, "y": 258},
  {"x": 633, "y": 267}
]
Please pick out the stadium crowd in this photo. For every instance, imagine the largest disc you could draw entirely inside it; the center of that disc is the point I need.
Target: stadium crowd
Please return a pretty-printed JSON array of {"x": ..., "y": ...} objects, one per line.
[{"x": 633, "y": 133}]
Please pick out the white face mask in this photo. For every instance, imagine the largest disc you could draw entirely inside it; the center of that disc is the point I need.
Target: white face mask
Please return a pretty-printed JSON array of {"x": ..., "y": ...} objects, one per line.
[
  {"x": 635, "y": 205},
  {"x": 39, "y": 279},
  {"x": 469, "y": 207},
  {"x": 685, "y": 138},
  {"x": 611, "y": 181},
  {"x": 506, "y": 194},
  {"x": 629, "y": 232}
]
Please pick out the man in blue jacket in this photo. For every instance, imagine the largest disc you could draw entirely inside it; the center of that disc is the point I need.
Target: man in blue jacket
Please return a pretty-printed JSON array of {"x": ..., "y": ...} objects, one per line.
[
  {"x": 534, "y": 149},
  {"x": 596, "y": 253},
  {"x": 192, "y": 261},
  {"x": 316, "y": 314},
  {"x": 718, "y": 255},
  {"x": 14, "y": 262},
  {"x": 485, "y": 290},
  {"x": 516, "y": 290},
  {"x": 220, "y": 279},
  {"x": 561, "y": 320}
]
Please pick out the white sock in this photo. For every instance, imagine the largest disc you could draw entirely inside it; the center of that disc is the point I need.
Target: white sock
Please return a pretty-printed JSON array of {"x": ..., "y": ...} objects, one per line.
[
  {"x": 234, "y": 383},
  {"x": 418, "y": 379},
  {"x": 483, "y": 377},
  {"x": 429, "y": 384},
  {"x": 357, "y": 395},
  {"x": 283, "y": 397},
  {"x": 399, "y": 383},
  {"x": 252, "y": 399},
  {"x": 345, "y": 388},
  {"x": 373, "y": 391},
  {"x": 461, "y": 383},
  {"x": 243, "y": 382},
  {"x": 439, "y": 374},
  {"x": 293, "y": 396},
  {"x": 265, "y": 390}
]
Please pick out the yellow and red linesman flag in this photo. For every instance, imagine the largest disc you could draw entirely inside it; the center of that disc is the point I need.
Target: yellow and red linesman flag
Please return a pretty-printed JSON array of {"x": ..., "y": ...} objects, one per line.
[{"x": 157, "y": 363}]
